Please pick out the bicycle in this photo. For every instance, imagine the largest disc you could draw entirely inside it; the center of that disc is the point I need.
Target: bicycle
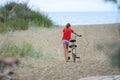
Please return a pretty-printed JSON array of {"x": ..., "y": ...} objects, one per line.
[{"x": 73, "y": 47}]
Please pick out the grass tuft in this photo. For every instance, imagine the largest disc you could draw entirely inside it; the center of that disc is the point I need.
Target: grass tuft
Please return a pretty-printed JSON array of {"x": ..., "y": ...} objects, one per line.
[{"x": 12, "y": 50}]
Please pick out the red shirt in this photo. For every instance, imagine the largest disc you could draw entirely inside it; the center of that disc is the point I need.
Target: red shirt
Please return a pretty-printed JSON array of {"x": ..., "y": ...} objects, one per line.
[{"x": 67, "y": 33}]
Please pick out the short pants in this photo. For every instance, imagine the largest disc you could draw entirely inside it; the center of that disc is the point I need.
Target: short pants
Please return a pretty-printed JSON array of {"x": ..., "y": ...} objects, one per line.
[{"x": 65, "y": 41}]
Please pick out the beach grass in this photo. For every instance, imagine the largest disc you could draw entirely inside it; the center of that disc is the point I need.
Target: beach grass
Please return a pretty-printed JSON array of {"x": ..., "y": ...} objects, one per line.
[{"x": 10, "y": 49}]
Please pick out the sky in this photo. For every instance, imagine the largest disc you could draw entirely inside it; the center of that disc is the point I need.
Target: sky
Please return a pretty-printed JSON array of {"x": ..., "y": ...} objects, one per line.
[{"x": 69, "y": 5}]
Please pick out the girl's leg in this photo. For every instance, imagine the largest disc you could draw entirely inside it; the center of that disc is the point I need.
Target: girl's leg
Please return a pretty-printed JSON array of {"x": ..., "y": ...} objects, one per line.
[{"x": 66, "y": 51}]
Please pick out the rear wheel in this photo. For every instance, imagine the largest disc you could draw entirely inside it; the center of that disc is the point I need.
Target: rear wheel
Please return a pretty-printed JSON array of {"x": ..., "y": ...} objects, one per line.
[{"x": 74, "y": 55}]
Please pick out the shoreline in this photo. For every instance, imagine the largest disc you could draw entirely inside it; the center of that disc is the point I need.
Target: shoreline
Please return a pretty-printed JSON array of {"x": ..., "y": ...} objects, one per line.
[{"x": 90, "y": 24}]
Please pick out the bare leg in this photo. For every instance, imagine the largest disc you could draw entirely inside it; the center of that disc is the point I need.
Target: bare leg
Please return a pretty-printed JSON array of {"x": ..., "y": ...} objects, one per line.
[{"x": 66, "y": 51}]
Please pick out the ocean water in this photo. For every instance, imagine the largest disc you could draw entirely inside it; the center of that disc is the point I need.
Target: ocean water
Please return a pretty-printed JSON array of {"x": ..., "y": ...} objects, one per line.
[{"x": 84, "y": 18}]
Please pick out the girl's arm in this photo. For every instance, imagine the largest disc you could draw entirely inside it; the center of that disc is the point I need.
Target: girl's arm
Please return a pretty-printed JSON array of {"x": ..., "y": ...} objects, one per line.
[{"x": 77, "y": 34}]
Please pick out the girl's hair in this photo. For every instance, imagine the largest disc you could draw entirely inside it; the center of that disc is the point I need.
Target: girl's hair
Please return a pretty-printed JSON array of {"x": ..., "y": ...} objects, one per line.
[{"x": 68, "y": 25}]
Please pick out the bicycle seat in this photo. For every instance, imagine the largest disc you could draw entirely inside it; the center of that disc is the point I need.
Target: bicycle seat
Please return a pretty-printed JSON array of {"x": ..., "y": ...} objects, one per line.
[
  {"x": 73, "y": 45},
  {"x": 73, "y": 40}
]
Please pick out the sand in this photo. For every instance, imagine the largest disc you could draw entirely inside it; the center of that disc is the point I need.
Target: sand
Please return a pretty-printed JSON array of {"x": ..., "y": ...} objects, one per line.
[{"x": 92, "y": 62}]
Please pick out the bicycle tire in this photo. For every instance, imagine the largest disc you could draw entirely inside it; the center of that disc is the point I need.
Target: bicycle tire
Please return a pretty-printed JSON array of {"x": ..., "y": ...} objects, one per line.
[{"x": 74, "y": 55}]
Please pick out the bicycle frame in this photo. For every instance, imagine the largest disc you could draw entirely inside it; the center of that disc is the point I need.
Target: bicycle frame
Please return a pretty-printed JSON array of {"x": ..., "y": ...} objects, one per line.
[{"x": 73, "y": 47}]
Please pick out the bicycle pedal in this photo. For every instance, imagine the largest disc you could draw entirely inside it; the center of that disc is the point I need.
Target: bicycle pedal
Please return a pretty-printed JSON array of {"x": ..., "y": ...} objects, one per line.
[
  {"x": 68, "y": 58},
  {"x": 69, "y": 51}
]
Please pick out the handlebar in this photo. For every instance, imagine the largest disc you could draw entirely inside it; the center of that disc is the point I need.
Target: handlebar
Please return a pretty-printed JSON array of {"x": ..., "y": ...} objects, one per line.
[{"x": 74, "y": 39}]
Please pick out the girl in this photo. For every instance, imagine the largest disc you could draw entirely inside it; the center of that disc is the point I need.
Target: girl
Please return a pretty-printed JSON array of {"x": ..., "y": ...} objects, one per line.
[{"x": 66, "y": 38}]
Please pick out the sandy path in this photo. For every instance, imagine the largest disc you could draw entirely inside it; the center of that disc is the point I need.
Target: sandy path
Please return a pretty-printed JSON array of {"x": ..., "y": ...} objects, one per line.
[{"x": 91, "y": 63}]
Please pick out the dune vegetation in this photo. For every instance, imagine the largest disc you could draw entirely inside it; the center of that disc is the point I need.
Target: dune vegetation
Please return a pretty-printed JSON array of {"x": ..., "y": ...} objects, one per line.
[{"x": 18, "y": 16}]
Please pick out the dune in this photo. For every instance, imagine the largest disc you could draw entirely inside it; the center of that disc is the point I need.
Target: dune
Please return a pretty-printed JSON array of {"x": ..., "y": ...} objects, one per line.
[{"x": 92, "y": 62}]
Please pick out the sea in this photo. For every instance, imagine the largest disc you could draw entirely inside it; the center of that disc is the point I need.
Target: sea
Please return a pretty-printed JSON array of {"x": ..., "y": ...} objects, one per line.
[{"x": 84, "y": 18}]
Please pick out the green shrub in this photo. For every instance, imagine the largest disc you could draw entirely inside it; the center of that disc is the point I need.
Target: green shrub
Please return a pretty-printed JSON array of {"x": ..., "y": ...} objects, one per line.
[
  {"x": 18, "y": 24},
  {"x": 18, "y": 15}
]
